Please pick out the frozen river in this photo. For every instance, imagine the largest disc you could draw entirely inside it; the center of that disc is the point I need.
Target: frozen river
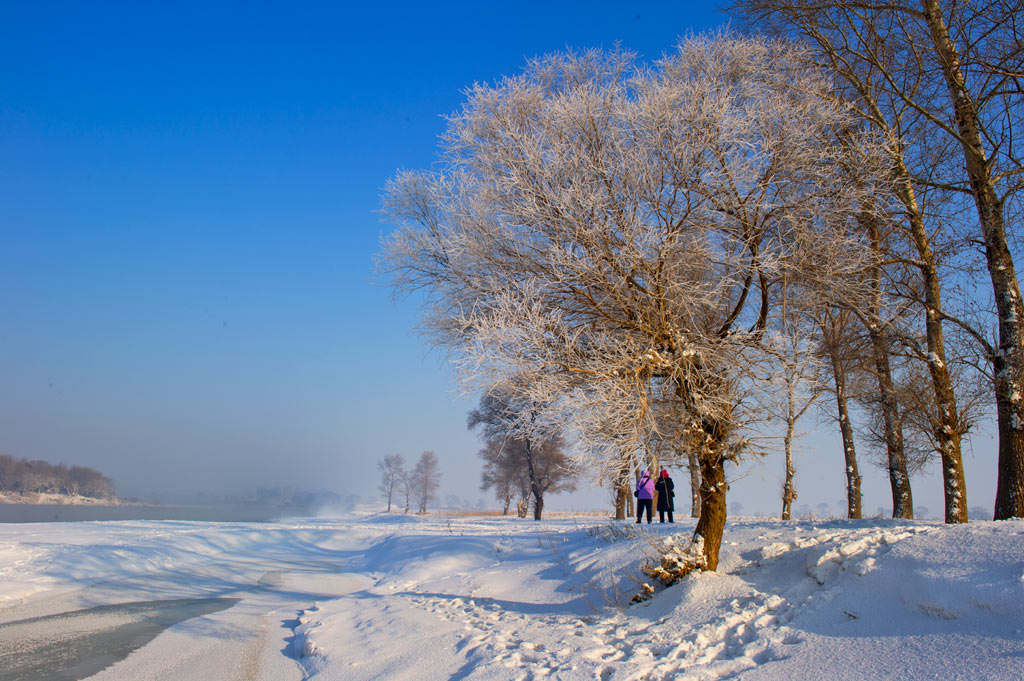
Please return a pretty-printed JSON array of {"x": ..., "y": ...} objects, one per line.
[
  {"x": 163, "y": 599},
  {"x": 75, "y": 645}
]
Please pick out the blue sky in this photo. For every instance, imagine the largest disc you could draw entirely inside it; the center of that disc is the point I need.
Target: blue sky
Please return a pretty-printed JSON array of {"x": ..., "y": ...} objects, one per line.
[{"x": 187, "y": 200}]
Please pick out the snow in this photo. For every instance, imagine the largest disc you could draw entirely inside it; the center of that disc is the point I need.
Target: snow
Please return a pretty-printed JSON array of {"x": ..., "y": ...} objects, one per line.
[{"x": 376, "y": 596}]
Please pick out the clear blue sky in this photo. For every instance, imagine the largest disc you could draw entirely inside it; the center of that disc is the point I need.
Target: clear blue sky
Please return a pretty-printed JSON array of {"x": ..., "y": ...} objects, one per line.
[{"x": 187, "y": 197}]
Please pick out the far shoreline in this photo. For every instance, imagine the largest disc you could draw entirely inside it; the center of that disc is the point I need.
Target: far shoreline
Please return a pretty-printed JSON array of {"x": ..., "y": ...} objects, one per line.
[{"x": 56, "y": 499}]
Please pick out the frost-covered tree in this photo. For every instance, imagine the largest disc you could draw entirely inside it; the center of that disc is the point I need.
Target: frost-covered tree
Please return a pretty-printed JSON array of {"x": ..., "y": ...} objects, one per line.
[
  {"x": 425, "y": 479},
  {"x": 537, "y": 463},
  {"x": 392, "y": 469},
  {"x": 601, "y": 235},
  {"x": 504, "y": 473},
  {"x": 90, "y": 483}
]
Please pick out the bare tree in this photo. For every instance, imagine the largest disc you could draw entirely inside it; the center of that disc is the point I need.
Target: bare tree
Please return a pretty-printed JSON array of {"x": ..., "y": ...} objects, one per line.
[
  {"x": 405, "y": 488},
  {"x": 943, "y": 79},
  {"x": 537, "y": 462},
  {"x": 392, "y": 468},
  {"x": 602, "y": 236},
  {"x": 834, "y": 345},
  {"x": 425, "y": 479},
  {"x": 985, "y": 110},
  {"x": 793, "y": 387},
  {"x": 499, "y": 472}
]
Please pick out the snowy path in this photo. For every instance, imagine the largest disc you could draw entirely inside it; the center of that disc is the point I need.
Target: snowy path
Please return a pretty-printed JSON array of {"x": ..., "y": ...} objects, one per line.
[{"x": 391, "y": 597}]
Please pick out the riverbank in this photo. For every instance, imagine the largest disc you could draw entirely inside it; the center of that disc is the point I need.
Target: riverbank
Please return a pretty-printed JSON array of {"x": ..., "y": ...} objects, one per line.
[{"x": 51, "y": 499}]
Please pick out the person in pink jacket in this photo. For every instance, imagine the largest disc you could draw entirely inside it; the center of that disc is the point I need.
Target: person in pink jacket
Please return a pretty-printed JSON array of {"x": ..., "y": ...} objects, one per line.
[{"x": 644, "y": 496}]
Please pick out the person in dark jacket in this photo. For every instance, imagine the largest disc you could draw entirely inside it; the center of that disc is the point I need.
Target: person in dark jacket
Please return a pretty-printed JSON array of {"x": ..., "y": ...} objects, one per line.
[
  {"x": 644, "y": 496},
  {"x": 666, "y": 496}
]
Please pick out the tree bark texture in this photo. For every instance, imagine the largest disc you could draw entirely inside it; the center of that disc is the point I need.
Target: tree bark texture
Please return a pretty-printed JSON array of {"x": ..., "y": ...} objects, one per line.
[
  {"x": 788, "y": 488},
  {"x": 899, "y": 478},
  {"x": 1008, "y": 359},
  {"x": 694, "y": 484},
  {"x": 620, "y": 483},
  {"x": 620, "y": 501},
  {"x": 711, "y": 523},
  {"x": 535, "y": 488}
]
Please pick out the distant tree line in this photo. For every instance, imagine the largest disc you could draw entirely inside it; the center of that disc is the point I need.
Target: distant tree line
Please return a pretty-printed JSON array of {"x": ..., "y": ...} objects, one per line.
[{"x": 22, "y": 476}]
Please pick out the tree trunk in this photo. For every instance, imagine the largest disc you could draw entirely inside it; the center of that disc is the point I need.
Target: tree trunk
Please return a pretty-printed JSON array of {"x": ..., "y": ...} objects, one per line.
[
  {"x": 694, "y": 484},
  {"x": 711, "y": 523},
  {"x": 620, "y": 501},
  {"x": 853, "y": 494},
  {"x": 535, "y": 488},
  {"x": 621, "y": 486},
  {"x": 1008, "y": 360},
  {"x": 788, "y": 490},
  {"x": 508, "y": 501},
  {"x": 899, "y": 478}
]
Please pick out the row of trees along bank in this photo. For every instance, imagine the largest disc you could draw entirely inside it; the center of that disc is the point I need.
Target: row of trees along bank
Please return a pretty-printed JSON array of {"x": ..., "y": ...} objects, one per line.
[
  {"x": 657, "y": 258},
  {"x": 21, "y": 476}
]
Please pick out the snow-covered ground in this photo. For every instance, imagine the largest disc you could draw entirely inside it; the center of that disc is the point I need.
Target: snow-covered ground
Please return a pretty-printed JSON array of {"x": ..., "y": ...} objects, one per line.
[{"x": 374, "y": 596}]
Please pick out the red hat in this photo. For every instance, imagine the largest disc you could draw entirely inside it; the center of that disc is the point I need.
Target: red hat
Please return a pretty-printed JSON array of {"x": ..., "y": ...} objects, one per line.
[{"x": 664, "y": 473}]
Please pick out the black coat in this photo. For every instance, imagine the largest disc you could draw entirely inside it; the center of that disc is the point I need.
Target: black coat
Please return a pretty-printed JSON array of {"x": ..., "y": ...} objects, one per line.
[{"x": 666, "y": 494}]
